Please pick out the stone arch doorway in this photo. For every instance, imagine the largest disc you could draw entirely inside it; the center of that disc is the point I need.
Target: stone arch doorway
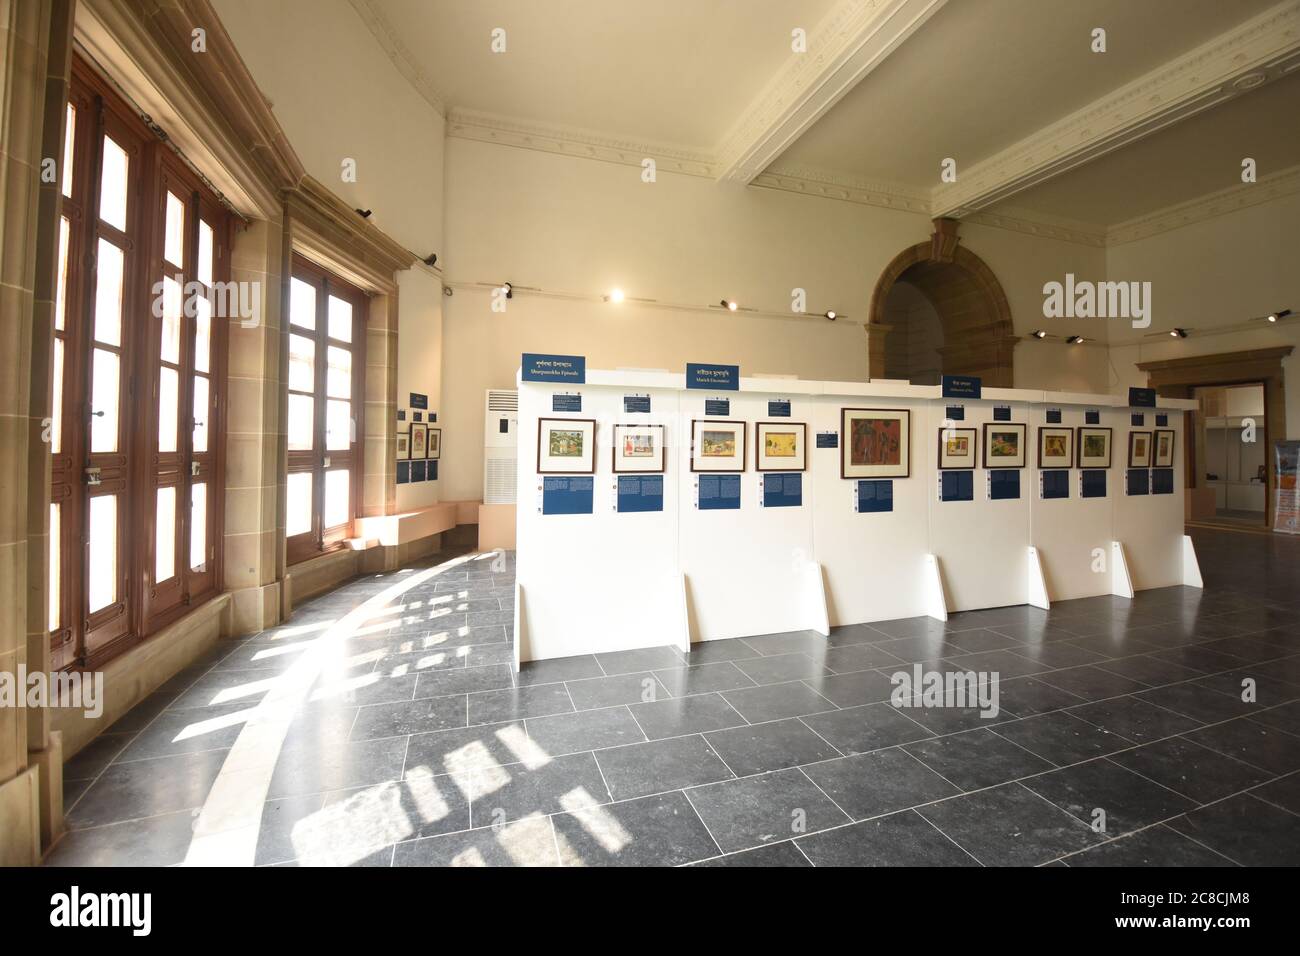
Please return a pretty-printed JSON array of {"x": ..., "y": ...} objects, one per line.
[{"x": 938, "y": 309}]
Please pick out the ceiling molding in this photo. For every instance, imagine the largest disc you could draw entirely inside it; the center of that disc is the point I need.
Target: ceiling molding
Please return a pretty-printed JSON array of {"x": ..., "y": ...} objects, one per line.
[
  {"x": 585, "y": 144},
  {"x": 814, "y": 182},
  {"x": 1239, "y": 60},
  {"x": 850, "y": 41},
  {"x": 1042, "y": 225},
  {"x": 403, "y": 59},
  {"x": 1278, "y": 185}
]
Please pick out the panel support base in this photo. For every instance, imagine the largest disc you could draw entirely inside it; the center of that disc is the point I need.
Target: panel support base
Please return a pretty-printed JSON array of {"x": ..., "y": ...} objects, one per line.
[
  {"x": 1121, "y": 582},
  {"x": 936, "y": 605},
  {"x": 1037, "y": 582},
  {"x": 1191, "y": 567}
]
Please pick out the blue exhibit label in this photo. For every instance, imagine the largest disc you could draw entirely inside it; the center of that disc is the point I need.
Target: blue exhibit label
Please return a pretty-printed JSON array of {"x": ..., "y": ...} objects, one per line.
[
  {"x": 725, "y": 377},
  {"x": 432, "y": 473},
  {"x": 1053, "y": 416},
  {"x": 783, "y": 490},
  {"x": 566, "y": 403},
  {"x": 403, "y": 472},
  {"x": 1142, "y": 397},
  {"x": 961, "y": 386},
  {"x": 1162, "y": 481},
  {"x": 875, "y": 495},
  {"x": 417, "y": 470},
  {"x": 1002, "y": 413},
  {"x": 1137, "y": 420},
  {"x": 1092, "y": 417},
  {"x": 957, "y": 486},
  {"x": 418, "y": 400},
  {"x": 1004, "y": 484},
  {"x": 538, "y": 367},
  {"x": 1055, "y": 483},
  {"x": 1138, "y": 481},
  {"x": 717, "y": 406},
  {"x": 1162, "y": 420},
  {"x": 636, "y": 404},
  {"x": 719, "y": 492},
  {"x": 640, "y": 493},
  {"x": 779, "y": 408},
  {"x": 956, "y": 413},
  {"x": 567, "y": 496},
  {"x": 828, "y": 439},
  {"x": 1092, "y": 483}
]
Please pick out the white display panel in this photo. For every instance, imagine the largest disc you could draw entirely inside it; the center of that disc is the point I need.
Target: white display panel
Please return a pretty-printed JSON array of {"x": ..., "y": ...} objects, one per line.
[{"x": 614, "y": 581}]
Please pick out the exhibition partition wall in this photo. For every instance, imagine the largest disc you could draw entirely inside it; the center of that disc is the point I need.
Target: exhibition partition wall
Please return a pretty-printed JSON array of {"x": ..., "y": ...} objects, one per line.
[{"x": 654, "y": 513}]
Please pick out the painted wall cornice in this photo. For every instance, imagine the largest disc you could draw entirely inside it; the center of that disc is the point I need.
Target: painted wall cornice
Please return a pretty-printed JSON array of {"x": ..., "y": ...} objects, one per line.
[{"x": 403, "y": 59}]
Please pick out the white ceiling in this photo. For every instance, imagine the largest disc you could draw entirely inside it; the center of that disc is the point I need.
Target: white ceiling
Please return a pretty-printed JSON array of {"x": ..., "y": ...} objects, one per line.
[{"x": 888, "y": 89}]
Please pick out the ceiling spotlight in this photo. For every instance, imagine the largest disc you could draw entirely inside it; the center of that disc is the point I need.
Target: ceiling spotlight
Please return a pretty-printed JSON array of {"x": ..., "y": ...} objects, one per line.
[
  {"x": 1178, "y": 333},
  {"x": 615, "y": 295},
  {"x": 830, "y": 314},
  {"x": 729, "y": 304},
  {"x": 363, "y": 213},
  {"x": 1038, "y": 334},
  {"x": 1280, "y": 314},
  {"x": 1075, "y": 340},
  {"x": 432, "y": 259},
  {"x": 508, "y": 289}
]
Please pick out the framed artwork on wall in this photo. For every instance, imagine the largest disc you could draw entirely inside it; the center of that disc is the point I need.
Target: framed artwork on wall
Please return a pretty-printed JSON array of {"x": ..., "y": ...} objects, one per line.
[
  {"x": 1139, "y": 449},
  {"x": 566, "y": 446},
  {"x": 419, "y": 441},
  {"x": 1056, "y": 447},
  {"x": 1094, "y": 446},
  {"x": 1004, "y": 444},
  {"x": 435, "y": 443},
  {"x": 717, "y": 446},
  {"x": 403, "y": 446},
  {"x": 639, "y": 449},
  {"x": 1164, "y": 448},
  {"x": 875, "y": 442},
  {"x": 780, "y": 446},
  {"x": 957, "y": 448}
]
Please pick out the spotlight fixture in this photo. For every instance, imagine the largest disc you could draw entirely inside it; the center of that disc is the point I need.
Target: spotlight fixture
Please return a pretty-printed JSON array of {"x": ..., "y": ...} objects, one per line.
[
  {"x": 1075, "y": 340},
  {"x": 509, "y": 290},
  {"x": 1038, "y": 334},
  {"x": 1178, "y": 333},
  {"x": 830, "y": 314},
  {"x": 363, "y": 213},
  {"x": 431, "y": 259},
  {"x": 1280, "y": 314},
  {"x": 729, "y": 304},
  {"x": 615, "y": 295}
]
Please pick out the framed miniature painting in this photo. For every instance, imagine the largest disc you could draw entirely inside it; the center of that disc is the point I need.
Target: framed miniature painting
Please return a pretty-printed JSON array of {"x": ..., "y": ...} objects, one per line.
[
  {"x": 875, "y": 442},
  {"x": 780, "y": 446},
  {"x": 717, "y": 445},
  {"x": 435, "y": 444},
  {"x": 1056, "y": 447},
  {"x": 566, "y": 446},
  {"x": 1164, "y": 448},
  {"x": 1094, "y": 447},
  {"x": 403, "y": 446},
  {"x": 1004, "y": 444},
  {"x": 419, "y": 441},
  {"x": 957, "y": 448},
  {"x": 639, "y": 449},
  {"x": 1139, "y": 449}
]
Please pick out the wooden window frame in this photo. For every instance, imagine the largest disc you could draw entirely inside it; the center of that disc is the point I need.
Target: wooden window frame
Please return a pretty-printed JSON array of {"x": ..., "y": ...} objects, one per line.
[{"x": 321, "y": 540}]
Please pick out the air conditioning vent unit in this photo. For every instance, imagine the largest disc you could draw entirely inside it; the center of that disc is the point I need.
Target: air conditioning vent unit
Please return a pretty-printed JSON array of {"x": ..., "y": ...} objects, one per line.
[{"x": 500, "y": 446}]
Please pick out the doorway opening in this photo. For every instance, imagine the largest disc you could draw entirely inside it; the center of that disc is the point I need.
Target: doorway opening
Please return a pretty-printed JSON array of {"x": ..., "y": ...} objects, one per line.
[{"x": 1230, "y": 426}]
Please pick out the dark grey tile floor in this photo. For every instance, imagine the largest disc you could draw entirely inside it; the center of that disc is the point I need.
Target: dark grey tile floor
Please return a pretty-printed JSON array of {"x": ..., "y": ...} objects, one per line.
[{"x": 1123, "y": 739}]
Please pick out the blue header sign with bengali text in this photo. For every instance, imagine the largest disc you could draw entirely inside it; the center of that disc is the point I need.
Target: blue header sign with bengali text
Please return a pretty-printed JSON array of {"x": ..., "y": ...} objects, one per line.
[
  {"x": 1142, "y": 397},
  {"x": 571, "y": 369},
  {"x": 961, "y": 386},
  {"x": 725, "y": 377}
]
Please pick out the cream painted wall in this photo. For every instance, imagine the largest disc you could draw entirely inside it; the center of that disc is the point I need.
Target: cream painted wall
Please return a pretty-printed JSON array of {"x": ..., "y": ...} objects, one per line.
[
  {"x": 1212, "y": 274},
  {"x": 353, "y": 103},
  {"x": 568, "y": 225}
]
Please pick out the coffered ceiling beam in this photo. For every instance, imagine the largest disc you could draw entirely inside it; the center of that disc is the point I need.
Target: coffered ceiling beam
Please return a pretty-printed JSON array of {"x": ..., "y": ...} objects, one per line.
[
  {"x": 1241, "y": 59},
  {"x": 851, "y": 41}
]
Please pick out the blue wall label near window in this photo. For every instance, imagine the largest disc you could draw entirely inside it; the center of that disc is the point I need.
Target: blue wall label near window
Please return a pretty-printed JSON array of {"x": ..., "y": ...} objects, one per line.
[
  {"x": 566, "y": 402},
  {"x": 567, "y": 496},
  {"x": 1004, "y": 484},
  {"x": 783, "y": 490},
  {"x": 639, "y": 493},
  {"x": 828, "y": 439},
  {"x": 636, "y": 404},
  {"x": 1092, "y": 483},
  {"x": 957, "y": 486},
  {"x": 432, "y": 473},
  {"x": 1053, "y": 416},
  {"x": 1142, "y": 397},
  {"x": 1162, "y": 481},
  {"x": 1055, "y": 483},
  {"x": 418, "y": 400},
  {"x": 403, "y": 472},
  {"x": 1002, "y": 413},
  {"x": 779, "y": 408},
  {"x": 725, "y": 377},
  {"x": 418, "y": 469},
  {"x": 1092, "y": 417},
  {"x": 1138, "y": 481},
  {"x": 874, "y": 495},
  {"x": 717, "y": 406},
  {"x": 961, "y": 386},
  {"x": 956, "y": 413},
  {"x": 538, "y": 367},
  {"x": 719, "y": 492}
]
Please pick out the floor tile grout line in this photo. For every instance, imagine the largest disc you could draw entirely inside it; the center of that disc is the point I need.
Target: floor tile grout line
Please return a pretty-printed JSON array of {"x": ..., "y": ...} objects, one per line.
[
  {"x": 948, "y": 837},
  {"x": 848, "y": 816}
]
